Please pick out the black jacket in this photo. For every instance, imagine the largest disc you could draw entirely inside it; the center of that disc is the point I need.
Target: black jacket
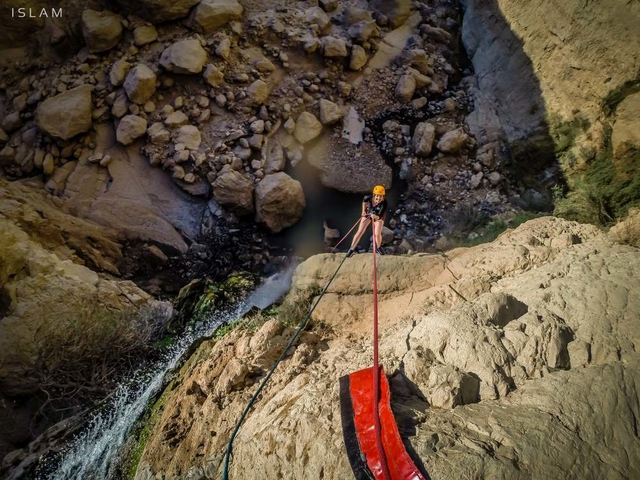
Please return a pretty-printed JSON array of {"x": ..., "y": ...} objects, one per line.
[{"x": 379, "y": 209}]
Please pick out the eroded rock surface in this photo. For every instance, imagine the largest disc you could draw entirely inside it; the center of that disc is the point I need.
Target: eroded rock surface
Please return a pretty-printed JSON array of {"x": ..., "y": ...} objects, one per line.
[{"x": 492, "y": 361}]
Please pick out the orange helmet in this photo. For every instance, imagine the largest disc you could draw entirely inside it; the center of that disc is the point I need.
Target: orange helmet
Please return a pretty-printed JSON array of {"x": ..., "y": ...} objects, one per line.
[{"x": 379, "y": 190}]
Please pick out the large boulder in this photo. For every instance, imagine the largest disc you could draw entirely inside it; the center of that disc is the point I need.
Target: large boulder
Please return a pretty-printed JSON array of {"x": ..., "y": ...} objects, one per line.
[
  {"x": 453, "y": 141},
  {"x": 101, "y": 30},
  {"x": 210, "y": 15},
  {"x": 184, "y": 56},
  {"x": 307, "y": 127},
  {"x": 234, "y": 191},
  {"x": 158, "y": 11},
  {"x": 280, "y": 201},
  {"x": 130, "y": 128},
  {"x": 66, "y": 115},
  {"x": 423, "y": 138},
  {"x": 140, "y": 84}
]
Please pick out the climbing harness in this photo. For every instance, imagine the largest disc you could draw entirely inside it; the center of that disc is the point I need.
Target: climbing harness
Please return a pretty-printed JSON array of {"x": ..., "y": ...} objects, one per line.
[{"x": 297, "y": 333}]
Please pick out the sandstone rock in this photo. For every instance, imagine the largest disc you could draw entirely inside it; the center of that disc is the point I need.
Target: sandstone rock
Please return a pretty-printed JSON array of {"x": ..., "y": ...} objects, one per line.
[
  {"x": 330, "y": 113},
  {"x": 362, "y": 31},
  {"x": 159, "y": 11},
  {"x": 316, "y": 16},
  {"x": 448, "y": 387},
  {"x": 358, "y": 58},
  {"x": 397, "y": 11},
  {"x": 275, "y": 159},
  {"x": 140, "y": 84},
  {"x": 307, "y": 127},
  {"x": 280, "y": 201},
  {"x": 223, "y": 49},
  {"x": 625, "y": 133},
  {"x": 189, "y": 136},
  {"x": 144, "y": 35},
  {"x": 184, "y": 56},
  {"x": 453, "y": 141},
  {"x": 210, "y": 15},
  {"x": 48, "y": 165},
  {"x": 333, "y": 47},
  {"x": 213, "y": 76},
  {"x": 234, "y": 192},
  {"x": 176, "y": 119},
  {"x": 101, "y": 30},
  {"x": 257, "y": 93},
  {"x": 66, "y": 115},
  {"x": 405, "y": 88},
  {"x": 120, "y": 106},
  {"x": 423, "y": 138},
  {"x": 118, "y": 72},
  {"x": 130, "y": 128}
]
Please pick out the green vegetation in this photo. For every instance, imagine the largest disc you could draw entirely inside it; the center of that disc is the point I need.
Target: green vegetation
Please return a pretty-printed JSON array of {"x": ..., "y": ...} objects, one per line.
[
  {"x": 606, "y": 190},
  {"x": 471, "y": 227}
]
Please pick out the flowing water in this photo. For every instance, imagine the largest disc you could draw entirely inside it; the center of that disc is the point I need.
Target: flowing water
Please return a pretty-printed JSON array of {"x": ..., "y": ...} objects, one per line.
[{"x": 92, "y": 455}]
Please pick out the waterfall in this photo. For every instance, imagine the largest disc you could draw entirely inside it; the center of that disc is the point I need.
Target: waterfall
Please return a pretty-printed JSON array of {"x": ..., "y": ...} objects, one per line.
[{"x": 92, "y": 455}]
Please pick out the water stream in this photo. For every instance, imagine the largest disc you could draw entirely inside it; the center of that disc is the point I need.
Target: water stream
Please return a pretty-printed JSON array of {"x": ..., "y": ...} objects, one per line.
[{"x": 92, "y": 455}]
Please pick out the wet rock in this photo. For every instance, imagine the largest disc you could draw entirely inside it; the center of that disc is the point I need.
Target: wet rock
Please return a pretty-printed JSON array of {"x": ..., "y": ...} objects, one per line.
[
  {"x": 453, "y": 141},
  {"x": 307, "y": 127},
  {"x": 66, "y": 115},
  {"x": 280, "y": 201},
  {"x": 330, "y": 113},
  {"x": 130, "y": 128},
  {"x": 145, "y": 35},
  {"x": 333, "y": 47},
  {"x": 184, "y": 56},
  {"x": 140, "y": 84},
  {"x": 189, "y": 136},
  {"x": 234, "y": 192},
  {"x": 118, "y": 72},
  {"x": 210, "y": 15},
  {"x": 423, "y": 138},
  {"x": 101, "y": 30},
  {"x": 358, "y": 58},
  {"x": 405, "y": 88}
]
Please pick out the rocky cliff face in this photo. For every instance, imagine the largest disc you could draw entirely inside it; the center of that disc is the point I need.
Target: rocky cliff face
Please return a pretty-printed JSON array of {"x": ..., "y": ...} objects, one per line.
[
  {"x": 552, "y": 77},
  {"x": 516, "y": 359}
]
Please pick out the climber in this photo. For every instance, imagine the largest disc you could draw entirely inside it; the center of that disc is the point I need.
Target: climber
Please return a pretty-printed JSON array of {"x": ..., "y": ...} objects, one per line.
[{"x": 374, "y": 208}]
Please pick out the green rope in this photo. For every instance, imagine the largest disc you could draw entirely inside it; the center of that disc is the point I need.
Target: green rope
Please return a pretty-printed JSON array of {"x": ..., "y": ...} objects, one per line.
[{"x": 301, "y": 327}]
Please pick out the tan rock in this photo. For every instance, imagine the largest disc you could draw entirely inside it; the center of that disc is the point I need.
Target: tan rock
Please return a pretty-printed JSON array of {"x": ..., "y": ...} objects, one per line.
[
  {"x": 453, "y": 141},
  {"x": 140, "y": 84},
  {"x": 257, "y": 93},
  {"x": 423, "y": 138},
  {"x": 405, "y": 88},
  {"x": 130, "y": 128},
  {"x": 234, "y": 192},
  {"x": 307, "y": 127},
  {"x": 144, "y": 35},
  {"x": 101, "y": 30},
  {"x": 333, "y": 47},
  {"x": 210, "y": 15},
  {"x": 184, "y": 56},
  {"x": 280, "y": 201},
  {"x": 118, "y": 72},
  {"x": 189, "y": 136},
  {"x": 330, "y": 113},
  {"x": 66, "y": 115},
  {"x": 213, "y": 76}
]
